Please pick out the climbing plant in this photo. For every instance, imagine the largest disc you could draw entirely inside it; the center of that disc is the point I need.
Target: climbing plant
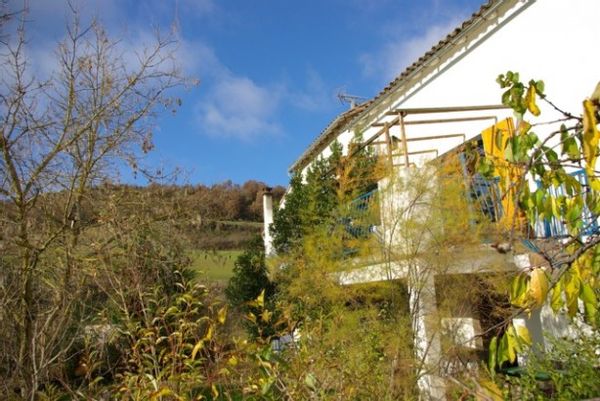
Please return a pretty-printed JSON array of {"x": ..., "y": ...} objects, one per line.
[{"x": 561, "y": 165}]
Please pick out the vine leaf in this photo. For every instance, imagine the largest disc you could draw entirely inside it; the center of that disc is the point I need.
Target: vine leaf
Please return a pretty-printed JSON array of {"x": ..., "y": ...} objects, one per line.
[
  {"x": 591, "y": 136},
  {"x": 530, "y": 99},
  {"x": 538, "y": 286}
]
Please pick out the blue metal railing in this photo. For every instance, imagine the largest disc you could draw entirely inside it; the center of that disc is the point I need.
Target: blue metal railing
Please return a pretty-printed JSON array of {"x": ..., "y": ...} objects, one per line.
[
  {"x": 552, "y": 227},
  {"x": 363, "y": 216},
  {"x": 486, "y": 195}
]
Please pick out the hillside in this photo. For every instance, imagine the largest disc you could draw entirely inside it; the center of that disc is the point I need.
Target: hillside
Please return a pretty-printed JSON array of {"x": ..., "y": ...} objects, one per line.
[{"x": 223, "y": 216}]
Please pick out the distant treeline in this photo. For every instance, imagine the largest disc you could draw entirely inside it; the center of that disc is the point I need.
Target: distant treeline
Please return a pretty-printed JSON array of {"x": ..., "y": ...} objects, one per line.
[
  {"x": 224, "y": 201},
  {"x": 221, "y": 216}
]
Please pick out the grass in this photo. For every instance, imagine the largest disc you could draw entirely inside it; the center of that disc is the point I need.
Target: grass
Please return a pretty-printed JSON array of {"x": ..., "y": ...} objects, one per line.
[{"x": 214, "y": 265}]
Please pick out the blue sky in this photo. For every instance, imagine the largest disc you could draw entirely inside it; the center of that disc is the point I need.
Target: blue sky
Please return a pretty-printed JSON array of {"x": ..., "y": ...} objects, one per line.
[{"x": 269, "y": 71}]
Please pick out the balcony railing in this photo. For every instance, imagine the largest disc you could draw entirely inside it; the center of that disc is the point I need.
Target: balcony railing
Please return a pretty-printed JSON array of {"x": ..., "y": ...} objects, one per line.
[
  {"x": 553, "y": 227},
  {"x": 485, "y": 195},
  {"x": 363, "y": 215}
]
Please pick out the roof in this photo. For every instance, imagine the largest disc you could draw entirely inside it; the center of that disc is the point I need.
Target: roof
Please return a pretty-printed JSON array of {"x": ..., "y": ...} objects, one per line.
[
  {"x": 327, "y": 135},
  {"x": 474, "y": 19}
]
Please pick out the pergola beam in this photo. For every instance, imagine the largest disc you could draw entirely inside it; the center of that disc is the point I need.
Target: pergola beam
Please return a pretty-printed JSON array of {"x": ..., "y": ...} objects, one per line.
[
  {"x": 438, "y": 121},
  {"x": 430, "y": 110}
]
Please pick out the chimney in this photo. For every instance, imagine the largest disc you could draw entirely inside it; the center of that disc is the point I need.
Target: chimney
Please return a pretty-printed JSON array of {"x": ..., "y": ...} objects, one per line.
[{"x": 268, "y": 220}]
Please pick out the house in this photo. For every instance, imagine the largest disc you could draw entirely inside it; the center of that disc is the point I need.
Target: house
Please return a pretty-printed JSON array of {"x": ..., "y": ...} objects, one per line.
[{"x": 447, "y": 98}]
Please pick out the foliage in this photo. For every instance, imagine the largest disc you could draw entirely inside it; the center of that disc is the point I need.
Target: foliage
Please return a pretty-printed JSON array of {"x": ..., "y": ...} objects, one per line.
[
  {"x": 175, "y": 348},
  {"x": 250, "y": 280},
  {"x": 567, "y": 371},
  {"x": 59, "y": 137},
  {"x": 359, "y": 170},
  {"x": 288, "y": 224},
  {"x": 320, "y": 197}
]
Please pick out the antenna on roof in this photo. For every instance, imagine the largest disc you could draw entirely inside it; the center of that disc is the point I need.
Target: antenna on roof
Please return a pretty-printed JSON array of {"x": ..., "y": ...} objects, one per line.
[{"x": 352, "y": 100}]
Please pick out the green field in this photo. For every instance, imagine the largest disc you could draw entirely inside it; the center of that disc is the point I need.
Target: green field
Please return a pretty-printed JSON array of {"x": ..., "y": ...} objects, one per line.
[{"x": 214, "y": 265}]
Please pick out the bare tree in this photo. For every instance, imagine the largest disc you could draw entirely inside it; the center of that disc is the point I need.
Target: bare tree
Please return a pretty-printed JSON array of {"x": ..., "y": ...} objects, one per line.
[{"x": 58, "y": 139}]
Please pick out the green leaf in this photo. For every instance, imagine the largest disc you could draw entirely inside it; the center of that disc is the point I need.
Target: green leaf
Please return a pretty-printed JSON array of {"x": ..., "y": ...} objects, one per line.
[
  {"x": 493, "y": 350},
  {"x": 539, "y": 87},
  {"x": 569, "y": 144},
  {"x": 518, "y": 289},
  {"x": 572, "y": 289},
  {"x": 503, "y": 350},
  {"x": 557, "y": 301},
  {"x": 590, "y": 302}
]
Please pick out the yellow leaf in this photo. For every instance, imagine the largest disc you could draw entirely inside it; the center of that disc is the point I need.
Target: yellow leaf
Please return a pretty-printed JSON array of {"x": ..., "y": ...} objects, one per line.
[
  {"x": 523, "y": 335},
  {"x": 260, "y": 300},
  {"x": 530, "y": 99},
  {"x": 222, "y": 315},
  {"x": 538, "y": 286},
  {"x": 266, "y": 316},
  {"x": 209, "y": 333},
  {"x": 233, "y": 361},
  {"x": 215, "y": 392},
  {"x": 250, "y": 316},
  {"x": 591, "y": 136},
  {"x": 161, "y": 393},
  {"x": 199, "y": 345},
  {"x": 491, "y": 391}
]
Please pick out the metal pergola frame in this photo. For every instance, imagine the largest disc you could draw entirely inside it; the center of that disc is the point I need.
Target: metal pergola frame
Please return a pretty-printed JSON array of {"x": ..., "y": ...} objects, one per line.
[{"x": 399, "y": 119}]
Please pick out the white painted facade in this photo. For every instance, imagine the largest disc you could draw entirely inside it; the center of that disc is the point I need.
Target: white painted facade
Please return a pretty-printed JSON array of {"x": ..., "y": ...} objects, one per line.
[{"x": 552, "y": 40}]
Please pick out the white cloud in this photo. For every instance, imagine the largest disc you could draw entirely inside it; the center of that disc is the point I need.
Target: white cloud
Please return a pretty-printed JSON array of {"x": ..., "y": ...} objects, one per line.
[
  {"x": 399, "y": 52},
  {"x": 237, "y": 107}
]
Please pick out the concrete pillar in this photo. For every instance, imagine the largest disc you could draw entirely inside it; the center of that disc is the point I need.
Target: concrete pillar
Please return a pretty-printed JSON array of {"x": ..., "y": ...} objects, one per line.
[
  {"x": 268, "y": 220},
  {"x": 533, "y": 323},
  {"x": 402, "y": 204},
  {"x": 426, "y": 333}
]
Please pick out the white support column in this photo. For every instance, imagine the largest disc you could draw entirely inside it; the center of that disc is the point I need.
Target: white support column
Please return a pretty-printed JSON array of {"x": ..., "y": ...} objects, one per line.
[
  {"x": 402, "y": 203},
  {"x": 423, "y": 309},
  {"x": 268, "y": 220},
  {"x": 533, "y": 323}
]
